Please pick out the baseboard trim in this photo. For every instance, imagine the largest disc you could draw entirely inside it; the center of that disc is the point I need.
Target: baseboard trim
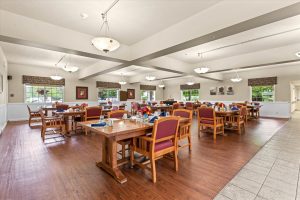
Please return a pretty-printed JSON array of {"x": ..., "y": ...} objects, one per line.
[{"x": 2, "y": 128}]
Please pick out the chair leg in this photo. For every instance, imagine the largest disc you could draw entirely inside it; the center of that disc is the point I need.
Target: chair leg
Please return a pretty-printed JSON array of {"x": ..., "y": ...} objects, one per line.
[
  {"x": 123, "y": 151},
  {"x": 29, "y": 122},
  {"x": 176, "y": 160},
  {"x": 153, "y": 170},
  {"x": 190, "y": 142},
  {"x": 131, "y": 156},
  {"x": 215, "y": 133},
  {"x": 43, "y": 134}
]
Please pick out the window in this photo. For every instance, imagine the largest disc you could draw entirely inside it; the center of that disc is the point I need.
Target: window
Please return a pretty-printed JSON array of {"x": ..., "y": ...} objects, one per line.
[
  {"x": 263, "y": 93},
  {"x": 148, "y": 95},
  {"x": 108, "y": 94},
  {"x": 189, "y": 95},
  {"x": 43, "y": 94}
]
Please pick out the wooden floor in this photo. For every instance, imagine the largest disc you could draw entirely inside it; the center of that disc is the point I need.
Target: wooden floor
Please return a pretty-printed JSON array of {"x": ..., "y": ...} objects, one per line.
[{"x": 32, "y": 170}]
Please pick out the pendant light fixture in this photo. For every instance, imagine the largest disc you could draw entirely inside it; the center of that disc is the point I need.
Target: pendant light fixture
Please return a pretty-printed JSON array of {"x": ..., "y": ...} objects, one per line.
[
  {"x": 106, "y": 43},
  {"x": 122, "y": 81},
  {"x": 203, "y": 69},
  {"x": 161, "y": 84},
  {"x": 190, "y": 81},
  {"x": 237, "y": 78},
  {"x": 69, "y": 67},
  {"x": 150, "y": 78},
  {"x": 57, "y": 77}
]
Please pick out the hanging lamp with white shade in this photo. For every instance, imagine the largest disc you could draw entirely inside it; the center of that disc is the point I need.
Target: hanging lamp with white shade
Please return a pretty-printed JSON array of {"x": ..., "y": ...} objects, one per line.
[
  {"x": 55, "y": 76},
  {"x": 122, "y": 81},
  {"x": 237, "y": 78},
  {"x": 202, "y": 69},
  {"x": 161, "y": 84},
  {"x": 106, "y": 43}
]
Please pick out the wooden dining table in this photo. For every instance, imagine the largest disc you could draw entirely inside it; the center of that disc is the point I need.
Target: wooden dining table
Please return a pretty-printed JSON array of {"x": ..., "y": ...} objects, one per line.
[
  {"x": 67, "y": 114},
  {"x": 121, "y": 129}
]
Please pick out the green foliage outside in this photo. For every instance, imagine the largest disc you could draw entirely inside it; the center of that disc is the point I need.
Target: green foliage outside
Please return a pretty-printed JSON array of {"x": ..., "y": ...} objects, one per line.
[
  {"x": 190, "y": 95},
  {"x": 147, "y": 95},
  {"x": 263, "y": 93},
  {"x": 108, "y": 94},
  {"x": 50, "y": 94}
]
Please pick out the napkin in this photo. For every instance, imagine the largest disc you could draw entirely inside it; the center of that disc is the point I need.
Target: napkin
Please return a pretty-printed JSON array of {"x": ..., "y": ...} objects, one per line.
[
  {"x": 153, "y": 119},
  {"x": 60, "y": 110},
  {"x": 162, "y": 114},
  {"x": 98, "y": 124},
  {"x": 234, "y": 108}
]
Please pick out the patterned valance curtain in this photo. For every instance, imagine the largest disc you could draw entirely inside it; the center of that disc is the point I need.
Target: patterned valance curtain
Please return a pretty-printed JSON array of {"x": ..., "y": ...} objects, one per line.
[
  {"x": 102, "y": 84},
  {"x": 147, "y": 87},
  {"x": 262, "y": 81},
  {"x": 190, "y": 87},
  {"x": 38, "y": 80}
]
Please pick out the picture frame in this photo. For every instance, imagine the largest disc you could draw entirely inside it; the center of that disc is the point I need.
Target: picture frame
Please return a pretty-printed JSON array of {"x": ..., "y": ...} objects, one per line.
[
  {"x": 221, "y": 90},
  {"x": 130, "y": 93},
  {"x": 82, "y": 92},
  {"x": 229, "y": 90},
  {"x": 213, "y": 91}
]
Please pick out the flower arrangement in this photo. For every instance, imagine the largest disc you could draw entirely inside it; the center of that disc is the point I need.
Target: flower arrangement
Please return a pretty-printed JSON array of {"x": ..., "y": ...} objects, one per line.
[
  {"x": 145, "y": 110},
  {"x": 83, "y": 105},
  {"x": 221, "y": 105},
  {"x": 43, "y": 92}
]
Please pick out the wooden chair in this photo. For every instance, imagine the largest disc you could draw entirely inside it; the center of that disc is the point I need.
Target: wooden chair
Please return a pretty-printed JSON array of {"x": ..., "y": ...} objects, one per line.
[
  {"x": 174, "y": 107},
  {"x": 189, "y": 106},
  {"x": 55, "y": 124},
  {"x": 33, "y": 115},
  {"x": 119, "y": 114},
  {"x": 162, "y": 141},
  {"x": 207, "y": 118},
  {"x": 62, "y": 107},
  {"x": 92, "y": 113},
  {"x": 185, "y": 129},
  {"x": 237, "y": 121},
  {"x": 255, "y": 110}
]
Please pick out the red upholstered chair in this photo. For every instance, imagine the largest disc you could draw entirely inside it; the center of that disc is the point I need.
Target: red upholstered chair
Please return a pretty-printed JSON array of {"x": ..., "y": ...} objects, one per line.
[
  {"x": 185, "y": 129},
  {"x": 162, "y": 141},
  {"x": 189, "y": 105},
  {"x": 33, "y": 115},
  {"x": 134, "y": 108},
  {"x": 62, "y": 106},
  {"x": 207, "y": 119},
  {"x": 237, "y": 121},
  {"x": 92, "y": 113},
  {"x": 55, "y": 124},
  {"x": 117, "y": 114},
  {"x": 175, "y": 106}
]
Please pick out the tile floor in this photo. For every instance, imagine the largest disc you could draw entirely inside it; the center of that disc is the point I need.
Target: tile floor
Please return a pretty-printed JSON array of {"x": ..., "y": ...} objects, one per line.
[{"x": 273, "y": 173}]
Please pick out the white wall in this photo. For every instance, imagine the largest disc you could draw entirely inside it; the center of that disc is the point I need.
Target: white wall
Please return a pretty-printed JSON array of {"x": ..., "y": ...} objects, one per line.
[{"x": 3, "y": 95}]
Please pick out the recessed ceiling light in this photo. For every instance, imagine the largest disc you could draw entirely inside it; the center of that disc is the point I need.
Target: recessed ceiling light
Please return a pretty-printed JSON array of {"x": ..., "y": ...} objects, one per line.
[
  {"x": 298, "y": 54},
  {"x": 84, "y": 15}
]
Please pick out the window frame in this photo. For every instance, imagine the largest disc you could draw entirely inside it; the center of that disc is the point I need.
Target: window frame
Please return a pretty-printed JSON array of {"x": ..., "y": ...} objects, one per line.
[
  {"x": 274, "y": 94},
  {"x": 148, "y": 95},
  {"x": 109, "y": 98},
  {"x": 39, "y": 97},
  {"x": 190, "y": 90}
]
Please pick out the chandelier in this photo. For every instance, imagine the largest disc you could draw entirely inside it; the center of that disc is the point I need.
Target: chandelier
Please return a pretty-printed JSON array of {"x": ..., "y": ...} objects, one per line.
[
  {"x": 201, "y": 70},
  {"x": 150, "y": 78},
  {"x": 122, "y": 81},
  {"x": 55, "y": 76},
  {"x": 236, "y": 79},
  {"x": 68, "y": 67},
  {"x": 106, "y": 43},
  {"x": 161, "y": 84}
]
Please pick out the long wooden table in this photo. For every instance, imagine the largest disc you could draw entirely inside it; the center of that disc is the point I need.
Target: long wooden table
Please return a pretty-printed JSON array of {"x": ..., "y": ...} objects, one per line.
[
  {"x": 66, "y": 114},
  {"x": 121, "y": 129}
]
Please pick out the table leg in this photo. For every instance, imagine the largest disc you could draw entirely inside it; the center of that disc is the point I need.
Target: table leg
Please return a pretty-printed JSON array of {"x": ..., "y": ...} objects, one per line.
[
  {"x": 66, "y": 119},
  {"x": 109, "y": 159}
]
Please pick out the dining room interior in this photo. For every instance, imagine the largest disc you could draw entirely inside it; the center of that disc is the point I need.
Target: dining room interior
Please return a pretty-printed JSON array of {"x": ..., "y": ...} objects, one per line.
[{"x": 150, "y": 99}]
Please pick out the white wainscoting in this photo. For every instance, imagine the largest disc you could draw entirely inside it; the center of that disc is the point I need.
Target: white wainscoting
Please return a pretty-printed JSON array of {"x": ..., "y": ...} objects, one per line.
[{"x": 3, "y": 117}]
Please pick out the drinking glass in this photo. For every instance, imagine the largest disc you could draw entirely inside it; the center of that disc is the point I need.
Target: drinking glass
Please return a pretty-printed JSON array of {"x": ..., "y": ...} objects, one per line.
[{"x": 101, "y": 118}]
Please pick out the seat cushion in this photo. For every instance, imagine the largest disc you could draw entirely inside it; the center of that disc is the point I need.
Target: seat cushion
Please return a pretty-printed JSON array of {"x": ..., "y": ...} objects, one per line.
[{"x": 163, "y": 145}]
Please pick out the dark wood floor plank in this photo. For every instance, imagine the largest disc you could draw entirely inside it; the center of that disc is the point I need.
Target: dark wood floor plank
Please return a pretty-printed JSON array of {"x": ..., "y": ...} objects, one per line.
[{"x": 30, "y": 169}]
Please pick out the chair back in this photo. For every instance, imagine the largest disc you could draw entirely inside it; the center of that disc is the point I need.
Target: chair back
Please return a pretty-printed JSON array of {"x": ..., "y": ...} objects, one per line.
[
  {"x": 93, "y": 112},
  {"x": 29, "y": 109},
  {"x": 165, "y": 129},
  {"x": 175, "y": 106},
  {"x": 62, "y": 106},
  {"x": 116, "y": 114},
  {"x": 189, "y": 104},
  {"x": 115, "y": 108},
  {"x": 243, "y": 110},
  {"x": 183, "y": 113},
  {"x": 41, "y": 112},
  {"x": 206, "y": 115}
]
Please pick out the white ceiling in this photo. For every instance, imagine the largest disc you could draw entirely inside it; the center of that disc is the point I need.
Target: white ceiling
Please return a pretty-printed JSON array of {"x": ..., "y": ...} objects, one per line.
[
  {"x": 133, "y": 70},
  {"x": 281, "y": 33},
  {"x": 19, "y": 54},
  {"x": 130, "y": 20}
]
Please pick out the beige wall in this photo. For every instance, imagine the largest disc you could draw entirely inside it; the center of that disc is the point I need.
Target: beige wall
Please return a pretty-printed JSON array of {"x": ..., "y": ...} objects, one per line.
[
  {"x": 16, "y": 87},
  {"x": 242, "y": 90}
]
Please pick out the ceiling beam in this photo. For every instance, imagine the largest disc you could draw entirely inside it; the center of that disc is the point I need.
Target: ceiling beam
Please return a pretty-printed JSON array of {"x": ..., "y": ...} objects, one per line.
[
  {"x": 256, "y": 66},
  {"x": 39, "y": 45}
]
